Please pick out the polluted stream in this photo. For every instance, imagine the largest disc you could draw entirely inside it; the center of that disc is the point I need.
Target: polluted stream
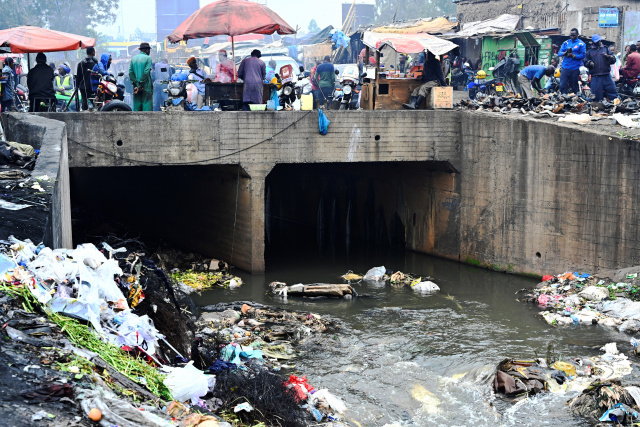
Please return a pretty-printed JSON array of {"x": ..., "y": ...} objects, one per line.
[{"x": 407, "y": 359}]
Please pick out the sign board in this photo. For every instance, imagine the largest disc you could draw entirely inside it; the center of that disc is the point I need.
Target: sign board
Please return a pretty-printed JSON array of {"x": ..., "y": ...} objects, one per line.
[{"x": 609, "y": 17}]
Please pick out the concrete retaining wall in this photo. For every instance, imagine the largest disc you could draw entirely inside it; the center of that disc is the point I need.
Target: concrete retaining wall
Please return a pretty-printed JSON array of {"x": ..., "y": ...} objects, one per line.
[
  {"x": 524, "y": 196},
  {"x": 50, "y": 137}
]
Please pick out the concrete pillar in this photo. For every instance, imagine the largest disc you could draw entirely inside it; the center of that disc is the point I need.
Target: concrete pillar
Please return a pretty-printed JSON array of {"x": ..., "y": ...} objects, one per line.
[{"x": 257, "y": 194}]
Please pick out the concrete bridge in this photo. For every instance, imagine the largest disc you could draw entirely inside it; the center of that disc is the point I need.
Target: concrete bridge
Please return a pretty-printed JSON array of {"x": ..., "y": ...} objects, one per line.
[{"x": 517, "y": 195}]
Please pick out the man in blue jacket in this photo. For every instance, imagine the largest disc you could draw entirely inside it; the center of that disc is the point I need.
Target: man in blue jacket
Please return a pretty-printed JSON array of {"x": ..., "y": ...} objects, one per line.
[
  {"x": 101, "y": 68},
  {"x": 599, "y": 60},
  {"x": 573, "y": 52}
]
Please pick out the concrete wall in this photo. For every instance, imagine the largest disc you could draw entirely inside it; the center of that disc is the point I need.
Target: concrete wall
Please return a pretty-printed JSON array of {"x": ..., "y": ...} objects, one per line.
[
  {"x": 521, "y": 195},
  {"x": 50, "y": 137}
]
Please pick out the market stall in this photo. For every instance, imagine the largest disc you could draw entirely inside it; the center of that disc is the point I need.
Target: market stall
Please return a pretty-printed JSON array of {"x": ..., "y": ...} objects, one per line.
[
  {"x": 232, "y": 18},
  {"x": 389, "y": 88}
]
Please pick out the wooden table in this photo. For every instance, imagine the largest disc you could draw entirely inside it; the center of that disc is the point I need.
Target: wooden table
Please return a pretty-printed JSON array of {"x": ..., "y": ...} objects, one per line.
[{"x": 392, "y": 93}]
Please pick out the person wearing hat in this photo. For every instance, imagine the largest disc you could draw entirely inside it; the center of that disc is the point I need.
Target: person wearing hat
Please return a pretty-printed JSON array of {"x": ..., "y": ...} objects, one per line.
[
  {"x": 200, "y": 76},
  {"x": 599, "y": 60},
  {"x": 140, "y": 75},
  {"x": 63, "y": 86},
  {"x": 224, "y": 68},
  {"x": 252, "y": 71},
  {"x": 162, "y": 71},
  {"x": 83, "y": 77},
  {"x": 40, "y": 84}
]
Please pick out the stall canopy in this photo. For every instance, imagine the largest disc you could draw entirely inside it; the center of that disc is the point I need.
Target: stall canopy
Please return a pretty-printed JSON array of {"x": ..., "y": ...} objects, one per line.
[
  {"x": 408, "y": 43},
  {"x": 434, "y": 26},
  {"x": 34, "y": 39},
  {"x": 231, "y": 18},
  {"x": 503, "y": 23}
]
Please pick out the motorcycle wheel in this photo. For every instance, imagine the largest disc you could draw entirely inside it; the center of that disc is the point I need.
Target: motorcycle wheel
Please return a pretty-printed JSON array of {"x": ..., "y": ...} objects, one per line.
[
  {"x": 342, "y": 106},
  {"x": 116, "y": 106}
]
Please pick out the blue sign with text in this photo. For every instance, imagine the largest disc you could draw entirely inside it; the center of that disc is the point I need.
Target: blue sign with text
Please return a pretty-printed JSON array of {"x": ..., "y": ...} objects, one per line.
[{"x": 608, "y": 17}]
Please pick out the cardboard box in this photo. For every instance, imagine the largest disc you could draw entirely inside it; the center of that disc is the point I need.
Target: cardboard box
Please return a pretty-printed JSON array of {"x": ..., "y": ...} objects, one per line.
[{"x": 440, "y": 98}]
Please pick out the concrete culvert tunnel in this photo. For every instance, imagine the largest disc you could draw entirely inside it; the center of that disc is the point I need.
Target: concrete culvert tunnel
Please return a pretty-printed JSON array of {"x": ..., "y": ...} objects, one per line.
[
  {"x": 191, "y": 207},
  {"x": 348, "y": 207}
]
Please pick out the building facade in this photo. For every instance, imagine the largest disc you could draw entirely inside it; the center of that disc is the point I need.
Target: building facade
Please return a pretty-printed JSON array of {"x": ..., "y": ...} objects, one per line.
[{"x": 588, "y": 16}]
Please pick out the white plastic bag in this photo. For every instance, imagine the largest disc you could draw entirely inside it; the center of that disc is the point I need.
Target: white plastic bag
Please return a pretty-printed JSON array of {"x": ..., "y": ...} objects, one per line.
[
  {"x": 187, "y": 383},
  {"x": 426, "y": 287},
  {"x": 324, "y": 397},
  {"x": 376, "y": 274}
]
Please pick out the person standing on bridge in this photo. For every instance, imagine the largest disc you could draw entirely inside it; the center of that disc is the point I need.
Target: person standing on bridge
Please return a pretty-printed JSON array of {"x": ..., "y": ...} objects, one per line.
[
  {"x": 140, "y": 75},
  {"x": 573, "y": 51},
  {"x": 252, "y": 71},
  {"x": 40, "y": 84},
  {"x": 599, "y": 61},
  {"x": 326, "y": 80}
]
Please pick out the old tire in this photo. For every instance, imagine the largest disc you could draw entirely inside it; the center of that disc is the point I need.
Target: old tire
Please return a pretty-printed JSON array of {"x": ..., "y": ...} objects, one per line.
[{"x": 116, "y": 106}]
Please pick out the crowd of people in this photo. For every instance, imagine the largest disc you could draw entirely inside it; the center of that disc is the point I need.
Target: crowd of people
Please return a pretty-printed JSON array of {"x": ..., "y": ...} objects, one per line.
[
  {"x": 52, "y": 86},
  {"x": 605, "y": 69}
]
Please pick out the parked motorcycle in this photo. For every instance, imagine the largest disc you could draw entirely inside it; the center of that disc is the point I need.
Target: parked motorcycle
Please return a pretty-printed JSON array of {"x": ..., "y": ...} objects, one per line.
[
  {"x": 292, "y": 86},
  {"x": 629, "y": 87},
  {"x": 347, "y": 94},
  {"x": 177, "y": 92},
  {"x": 21, "y": 99},
  {"x": 583, "y": 82},
  {"x": 110, "y": 95},
  {"x": 480, "y": 87}
]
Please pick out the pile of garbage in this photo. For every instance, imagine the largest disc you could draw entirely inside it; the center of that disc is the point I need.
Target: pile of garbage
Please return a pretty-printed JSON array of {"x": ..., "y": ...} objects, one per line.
[
  {"x": 398, "y": 279},
  {"x": 567, "y": 108},
  {"x": 113, "y": 318},
  {"x": 574, "y": 298},
  {"x": 202, "y": 281},
  {"x": 597, "y": 378}
]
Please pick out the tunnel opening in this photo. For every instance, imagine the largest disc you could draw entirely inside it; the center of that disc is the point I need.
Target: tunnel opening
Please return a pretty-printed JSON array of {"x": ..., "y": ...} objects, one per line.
[
  {"x": 192, "y": 208},
  {"x": 355, "y": 208}
]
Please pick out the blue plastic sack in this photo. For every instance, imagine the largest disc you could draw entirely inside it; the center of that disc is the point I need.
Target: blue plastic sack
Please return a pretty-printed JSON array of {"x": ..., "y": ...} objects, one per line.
[
  {"x": 275, "y": 99},
  {"x": 340, "y": 39},
  {"x": 180, "y": 77},
  {"x": 323, "y": 122}
]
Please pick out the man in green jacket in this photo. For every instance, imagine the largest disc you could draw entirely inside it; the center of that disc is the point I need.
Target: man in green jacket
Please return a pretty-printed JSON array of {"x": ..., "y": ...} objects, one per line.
[{"x": 140, "y": 76}]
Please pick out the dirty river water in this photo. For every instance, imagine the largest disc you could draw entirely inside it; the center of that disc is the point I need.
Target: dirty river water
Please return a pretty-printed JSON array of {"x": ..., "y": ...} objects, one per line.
[{"x": 396, "y": 344}]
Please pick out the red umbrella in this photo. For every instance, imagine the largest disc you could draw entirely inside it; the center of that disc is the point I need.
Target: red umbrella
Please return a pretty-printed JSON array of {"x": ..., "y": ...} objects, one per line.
[
  {"x": 34, "y": 39},
  {"x": 231, "y": 18}
]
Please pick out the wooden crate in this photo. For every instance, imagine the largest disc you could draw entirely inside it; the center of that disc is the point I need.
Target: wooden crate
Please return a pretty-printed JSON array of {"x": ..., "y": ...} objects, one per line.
[{"x": 440, "y": 98}]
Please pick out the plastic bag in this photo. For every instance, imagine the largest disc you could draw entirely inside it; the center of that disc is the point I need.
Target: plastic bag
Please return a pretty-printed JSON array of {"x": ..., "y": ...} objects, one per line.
[
  {"x": 323, "y": 122},
  {"x": 324, "y": 398},
  {"x": 376, "y": 274},
  {"x": 187, "y": 383},
  {"x": 426, "y": 287}
]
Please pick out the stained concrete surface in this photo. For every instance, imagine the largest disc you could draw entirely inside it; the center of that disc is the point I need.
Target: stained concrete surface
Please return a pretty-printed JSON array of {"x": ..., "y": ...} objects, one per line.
[{"x": 527, "y": 195}]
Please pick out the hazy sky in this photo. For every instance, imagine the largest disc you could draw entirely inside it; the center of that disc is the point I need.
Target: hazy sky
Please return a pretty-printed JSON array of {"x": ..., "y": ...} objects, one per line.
[{"x": 142, "y": 13}]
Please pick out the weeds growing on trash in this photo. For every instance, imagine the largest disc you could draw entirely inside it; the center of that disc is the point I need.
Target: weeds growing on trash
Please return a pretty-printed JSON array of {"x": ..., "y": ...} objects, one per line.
[
  {"x": 128, "y": 366},
  {"x": 204, "y": 280}
]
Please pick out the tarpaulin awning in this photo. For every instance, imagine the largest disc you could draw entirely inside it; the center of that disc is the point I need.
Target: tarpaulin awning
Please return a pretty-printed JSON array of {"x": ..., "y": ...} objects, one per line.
[
  {"x": 502, "y": 23},
  {"x": 231, "y": 18},
  {"x": 408, "y": 43},
  {"x": 527, "y": 39},
  {"x": 438, "y": 26},
  {"x": 311, "y": 38},
  {"x": 29, "y": 39}
]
